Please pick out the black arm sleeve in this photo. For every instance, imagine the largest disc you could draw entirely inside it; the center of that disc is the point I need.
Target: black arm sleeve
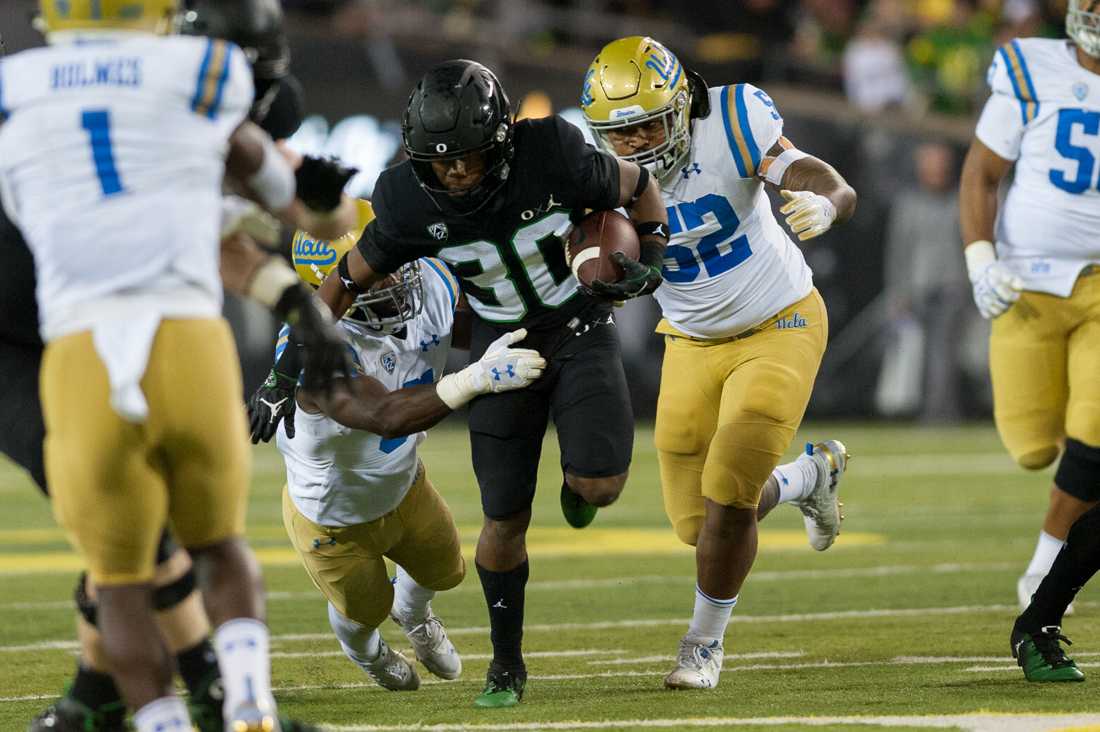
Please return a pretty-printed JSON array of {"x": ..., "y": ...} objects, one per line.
[
  {"x": 594, "y": 175},
  {"x": 381, "y": 243}
]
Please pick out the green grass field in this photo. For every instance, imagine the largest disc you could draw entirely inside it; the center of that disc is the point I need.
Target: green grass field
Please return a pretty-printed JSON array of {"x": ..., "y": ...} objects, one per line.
[{"x": 903, "y": 623}]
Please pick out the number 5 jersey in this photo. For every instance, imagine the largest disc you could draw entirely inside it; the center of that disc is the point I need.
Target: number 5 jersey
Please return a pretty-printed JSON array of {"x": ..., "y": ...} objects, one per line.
[
  {"x": 729, "y": 265},
  {"x": 1044, "y": 114}
]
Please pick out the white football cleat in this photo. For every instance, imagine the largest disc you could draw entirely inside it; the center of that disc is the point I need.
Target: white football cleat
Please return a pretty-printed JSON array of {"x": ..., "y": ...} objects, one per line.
[
  {"x": 392, "y": 671},
  {"x": 1026, "y": 587},
  {"x": 432, "y": 646},
  {"x": 697, "y": 666},
  {"x": 821, "y": 509}
]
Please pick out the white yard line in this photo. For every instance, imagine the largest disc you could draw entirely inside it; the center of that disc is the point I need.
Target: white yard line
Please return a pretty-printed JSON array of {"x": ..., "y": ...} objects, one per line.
[
  {"x": 634, "y": 623},
  {"x": 970, "y": 722},
  {"x": 474, "y": 656},
  {"x": 779, "y": 575}
]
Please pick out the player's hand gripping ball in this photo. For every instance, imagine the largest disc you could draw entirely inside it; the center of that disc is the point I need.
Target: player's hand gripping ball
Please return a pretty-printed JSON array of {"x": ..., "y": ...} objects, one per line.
[{"x": 602, "y": 250}]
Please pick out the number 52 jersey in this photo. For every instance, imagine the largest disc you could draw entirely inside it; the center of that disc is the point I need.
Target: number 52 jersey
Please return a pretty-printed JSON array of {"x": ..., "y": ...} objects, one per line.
[
  {"x": 729, "y": 266},
  {"x": 1044, "y": 114}
]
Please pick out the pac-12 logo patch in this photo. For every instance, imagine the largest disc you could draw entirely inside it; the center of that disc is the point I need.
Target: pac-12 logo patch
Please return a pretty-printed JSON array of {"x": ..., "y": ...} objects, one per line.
[
  {"x": 1080, "y": 90},
  {"x": 389, "y": 361},
  {"x": 439, "y": 230}
]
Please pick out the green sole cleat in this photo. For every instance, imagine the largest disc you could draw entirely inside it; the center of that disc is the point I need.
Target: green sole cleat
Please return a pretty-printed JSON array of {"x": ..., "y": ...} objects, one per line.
[
  {"x": 1042, "y": 658},
  {"x": 502, "y": 689},
  {"x": 577, "y": 511}
]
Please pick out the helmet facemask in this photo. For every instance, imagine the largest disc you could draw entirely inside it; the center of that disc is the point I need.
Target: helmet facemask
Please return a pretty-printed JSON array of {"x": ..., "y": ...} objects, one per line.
[
  {"x": 497, "y": 155},
  {"x": 1083, "y": 25},
  {"x": 664, "y": 159},
  {"x": 385, "y": 308}
]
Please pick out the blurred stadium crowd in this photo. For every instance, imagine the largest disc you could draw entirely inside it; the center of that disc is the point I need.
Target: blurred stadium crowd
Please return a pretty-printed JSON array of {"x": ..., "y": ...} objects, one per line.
[{"x": 888, "y": 89}]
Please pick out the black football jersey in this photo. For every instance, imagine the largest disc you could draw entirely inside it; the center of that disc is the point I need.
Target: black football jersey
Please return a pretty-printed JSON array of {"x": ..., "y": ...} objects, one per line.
[
  {"x": 18, "y": 309},
  {"x": 509, "y": 256}
]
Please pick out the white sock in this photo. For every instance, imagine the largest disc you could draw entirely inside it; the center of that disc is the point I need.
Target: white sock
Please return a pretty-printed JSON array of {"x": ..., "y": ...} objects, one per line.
[
  {"x": 796, "y": 479},
  {"x": 711, "y": 616},
  {"x": 167, "y": 714},
  {"x": 1045, "y": 551},
  {"x": 360, "y": 643},
  {"x": 242, "y": 645},
  {"x": 411, "y": 601}
]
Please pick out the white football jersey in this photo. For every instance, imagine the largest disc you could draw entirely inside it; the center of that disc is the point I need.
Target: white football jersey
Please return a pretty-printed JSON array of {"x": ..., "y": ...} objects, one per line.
[
  {"x": 1044, "y": 113},
  {"x": 112, "y": 158},
  {"x": 339, "y": 476},
  {"x": 729, "y": 265}
]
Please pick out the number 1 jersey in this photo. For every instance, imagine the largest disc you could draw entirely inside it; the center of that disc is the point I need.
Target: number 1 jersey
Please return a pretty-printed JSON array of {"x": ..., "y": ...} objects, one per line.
[
  {"x": 729, "y": 265},
  {"x": 1044, "y": 114},
  {"x": 112, "y": 157}
]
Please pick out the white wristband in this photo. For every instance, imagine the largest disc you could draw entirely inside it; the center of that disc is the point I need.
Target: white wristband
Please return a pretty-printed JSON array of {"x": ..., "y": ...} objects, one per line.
[
  {"x": 274, "y": 183},
  {"x": 779, "y": 165},
  {"x": 271, "y": 280},
  {"x": 979, "y": 255},
  {"x": 454, "y": 389}
]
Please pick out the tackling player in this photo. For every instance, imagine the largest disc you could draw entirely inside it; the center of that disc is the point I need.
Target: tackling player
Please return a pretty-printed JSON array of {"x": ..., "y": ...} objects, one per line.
[
  {"x": 356, "y": 489},
  {"x": 113, "y": 314},
  {"x": 744, "y": 328},
  {"x": 1040, "y": 282},
  {"x": 493, "y": 199}
]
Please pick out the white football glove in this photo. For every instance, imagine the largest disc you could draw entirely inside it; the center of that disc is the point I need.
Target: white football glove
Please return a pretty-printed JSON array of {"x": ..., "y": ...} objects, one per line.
[
  {"x": 996, "y": 286},
  {"x": 239, "y": 215},
  {"x": 808, "y": 214},
  {"x": 501, "y": 368}
]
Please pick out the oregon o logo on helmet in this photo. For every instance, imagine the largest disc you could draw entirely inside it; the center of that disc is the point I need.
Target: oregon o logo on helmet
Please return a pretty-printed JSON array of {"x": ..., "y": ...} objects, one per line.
[{"x": 441, "y": 147}]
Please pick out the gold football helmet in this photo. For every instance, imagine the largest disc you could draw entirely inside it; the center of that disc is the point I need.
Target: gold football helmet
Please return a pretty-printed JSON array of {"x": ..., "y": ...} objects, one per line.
[
  {"x": 632, "y": 81},
  {"x": 150, "y": 16},
  {"x": 386, "y": 306}
]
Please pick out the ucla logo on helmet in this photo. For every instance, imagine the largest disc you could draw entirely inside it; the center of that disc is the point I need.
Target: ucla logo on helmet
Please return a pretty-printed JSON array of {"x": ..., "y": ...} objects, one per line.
[{"x": 313, "y": 252}]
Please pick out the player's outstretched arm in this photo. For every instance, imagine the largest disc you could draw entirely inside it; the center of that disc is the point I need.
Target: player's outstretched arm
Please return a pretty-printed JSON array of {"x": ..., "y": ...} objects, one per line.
[
  {"x": 816, "y": 195},
  {"x": 365, "y": 403},
  {"x": 995, "y": 286},
  {"x": 306, "y": 193}
]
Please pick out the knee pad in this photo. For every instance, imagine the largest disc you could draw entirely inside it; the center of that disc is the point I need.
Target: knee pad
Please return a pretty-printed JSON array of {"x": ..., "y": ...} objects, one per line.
[
  {"x": 1079, "y": 471},
  {"x": 1037, "y": 459},
  {"x": 84, "y": 604},
  {"x": 687, "y": 529},
  {"x": 368, "y": 608},
  {"x": 175, "y": 592}
]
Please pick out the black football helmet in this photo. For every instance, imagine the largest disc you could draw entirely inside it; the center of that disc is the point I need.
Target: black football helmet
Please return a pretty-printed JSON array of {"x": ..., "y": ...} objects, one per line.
[
  {"x": 459, "y": 107},
  {"x": 257, "y": 27}
]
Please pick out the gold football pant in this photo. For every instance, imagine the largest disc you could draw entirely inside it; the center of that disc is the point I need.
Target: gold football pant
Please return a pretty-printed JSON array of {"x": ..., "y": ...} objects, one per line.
[
  {"x": 346, "y": 563},
  {"x": 728, "y": 409},
  {"x": 115, "y": 484},
  {"x": 1044, "y": 357}
]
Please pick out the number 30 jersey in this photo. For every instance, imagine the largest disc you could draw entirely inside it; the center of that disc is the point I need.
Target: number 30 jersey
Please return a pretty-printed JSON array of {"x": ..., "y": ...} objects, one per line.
[
  {"x": 112, "y": 157},
  {"x": 729, "y": 266},
  {"x": 1044, "y": 114}
]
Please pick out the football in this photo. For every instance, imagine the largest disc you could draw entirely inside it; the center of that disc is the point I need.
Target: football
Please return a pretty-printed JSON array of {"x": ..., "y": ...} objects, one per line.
[{"x": 592, "y": 242}]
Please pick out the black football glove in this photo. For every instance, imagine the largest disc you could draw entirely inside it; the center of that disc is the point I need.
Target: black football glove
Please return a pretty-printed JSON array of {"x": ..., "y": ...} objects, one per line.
[
  {"x": 321, "y": 182},
  {"x": 272, "y": 402},
  {"x": 638, "y": 279}
]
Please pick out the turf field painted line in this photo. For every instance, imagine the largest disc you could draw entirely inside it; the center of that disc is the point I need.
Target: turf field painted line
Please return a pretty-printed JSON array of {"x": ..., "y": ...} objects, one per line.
[
  {"x": 634, "y": 623},
  {"x": 469, "y": 656},
  {"x": 778, "y": 575},
  {"x": 671, "y": 658},
  {"x": 971, "y": 722}
]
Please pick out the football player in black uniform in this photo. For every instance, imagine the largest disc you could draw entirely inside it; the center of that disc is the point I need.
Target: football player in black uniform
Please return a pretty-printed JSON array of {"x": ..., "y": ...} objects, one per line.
[
  {"x": 92, "y": 702},
  {"x": 494, "y": 199}
]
